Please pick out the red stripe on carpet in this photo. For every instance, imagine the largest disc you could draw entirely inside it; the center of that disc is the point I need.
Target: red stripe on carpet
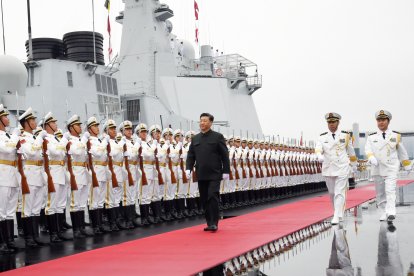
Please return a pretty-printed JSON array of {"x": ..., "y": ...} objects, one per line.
[{"x": 191, "y": 250}]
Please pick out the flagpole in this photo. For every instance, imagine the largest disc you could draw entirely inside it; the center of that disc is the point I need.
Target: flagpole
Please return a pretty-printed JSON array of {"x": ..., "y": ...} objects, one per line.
[
  {"x": 2, "y": 27},
  {"x": 93, "y": 31},
  {"x": 29, "y": 29}
]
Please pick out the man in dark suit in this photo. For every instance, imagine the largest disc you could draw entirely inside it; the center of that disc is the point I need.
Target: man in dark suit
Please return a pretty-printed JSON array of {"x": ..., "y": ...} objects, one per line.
[{"x": 209, "y": 155}]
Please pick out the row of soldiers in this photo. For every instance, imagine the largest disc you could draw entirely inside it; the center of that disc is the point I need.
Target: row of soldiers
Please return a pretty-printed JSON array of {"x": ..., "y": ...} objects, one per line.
[{"x": 110, "y": 173}]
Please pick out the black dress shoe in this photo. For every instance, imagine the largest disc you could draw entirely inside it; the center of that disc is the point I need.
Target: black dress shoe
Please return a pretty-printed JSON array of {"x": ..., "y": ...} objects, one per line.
[{"x": 211, "y": 228}]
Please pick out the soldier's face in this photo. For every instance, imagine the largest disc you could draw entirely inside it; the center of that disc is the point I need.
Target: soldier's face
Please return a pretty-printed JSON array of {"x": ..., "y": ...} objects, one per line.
[
  {"x": 112, "y": 132},
  {"x": 5, "y": 120},
  {"x": 243, "y": 144},
  {"x": 94, "y": 130},
  {"x": 77, "y": 128},
  {"x": 167, "y": 137},
  {"x": 333, "y": 126},
  {"x": 250, "y": 146},
  {"x": 156, "y": 135},
  {"x": 205, "y": 123},
  {"x": 32, "y": 123},
  {"x": 178, "y": 138},
  {"x": 128, "y": 133},
  {"x": 143, "y": 135},
  {"x": 237, "y": 143},
  {"x": 383, "y": 124}
]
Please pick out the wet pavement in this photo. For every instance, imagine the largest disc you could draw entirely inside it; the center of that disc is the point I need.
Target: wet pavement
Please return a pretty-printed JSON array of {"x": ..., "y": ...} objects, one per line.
[{"x": 362, "y": 245}]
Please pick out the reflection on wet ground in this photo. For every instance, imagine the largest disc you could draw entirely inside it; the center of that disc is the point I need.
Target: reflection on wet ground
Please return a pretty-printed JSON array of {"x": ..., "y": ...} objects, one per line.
[{"x": 361, "y": 245}]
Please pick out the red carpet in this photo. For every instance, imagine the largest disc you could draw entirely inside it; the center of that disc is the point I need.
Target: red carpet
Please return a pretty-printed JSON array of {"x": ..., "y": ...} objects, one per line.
[{"x": 188, "y": 251}]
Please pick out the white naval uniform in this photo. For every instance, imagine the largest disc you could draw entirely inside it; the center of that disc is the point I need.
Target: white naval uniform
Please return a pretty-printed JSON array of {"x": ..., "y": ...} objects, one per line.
[
  {"x": 389, "y": 152},
  {"x": 31, "y": 148},
  {"x": 131, "y": 192},
  {"x": 259, "y": 180},
  {"x": 148, "y": 158},
  {"x": 262, "y": 158},
  {"x": 56, "y": 151},
  {"x": 115, "y": 194},
  {"x": 336, "y": 166},
  {"x": 193, "y": 186},
  {"x": 78, "y": 153},
  {"x": 252, "y": 180},
  {"x": 241, "y": 181},
  {"x": 10, "y": 177},
  {"x": 244, "y": 183},
  {"x": 99, "y": 154},
  {"x": 182, "y": 188},
  {"x": 167, "y": 187},
  {"x": 232, "y": 184}
]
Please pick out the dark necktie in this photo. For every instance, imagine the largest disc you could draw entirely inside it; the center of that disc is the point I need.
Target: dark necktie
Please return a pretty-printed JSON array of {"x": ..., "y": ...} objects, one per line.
[
  {"x": 333, "y": 136},
  {"x": 8, "y": 136},
  {"x": 383, "y": 135}
]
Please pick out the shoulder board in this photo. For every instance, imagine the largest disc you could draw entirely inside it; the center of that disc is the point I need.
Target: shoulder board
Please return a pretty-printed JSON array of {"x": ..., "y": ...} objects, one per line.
[
  {"x": 373, "y": 133},
  {"x": 343, "y": 131},
  {"x": 324, "y": 133},
  {"x": 396, "y": 132}
]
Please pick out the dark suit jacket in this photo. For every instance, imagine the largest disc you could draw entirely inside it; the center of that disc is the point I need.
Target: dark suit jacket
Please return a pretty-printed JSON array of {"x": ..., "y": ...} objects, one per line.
[{"x": 209, "y": 154}]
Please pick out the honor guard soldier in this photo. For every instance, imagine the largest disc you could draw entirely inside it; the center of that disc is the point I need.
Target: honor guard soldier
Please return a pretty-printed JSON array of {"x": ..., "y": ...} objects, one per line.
[
  {"x": 57, "y": 192},
  {"x": 97, "y": 151},
  {"x": 77, "y": 157},
  {"x": 9, "y": 182},
  {"x": 385, "y": 152},
  {"x": 131, "y": 189},
  {"x": 335, "y": 151},
  {"x": 157, "y": 180},
  {"x": 32, "y": 198},
  {"x": 167, "y": 172},
  {"x": 147, "y": 162},
  {"x": 182, "y": 187},
  {"x": 118, "y": 175}
]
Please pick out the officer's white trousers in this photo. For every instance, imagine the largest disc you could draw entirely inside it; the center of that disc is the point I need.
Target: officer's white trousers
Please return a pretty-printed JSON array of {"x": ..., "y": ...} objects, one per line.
[
  {"x": 97, "y": 195},
  {"x": 386, "y": 187},
  {"x": 337, "y": 189},
  {"x": 32, "y": 202}
]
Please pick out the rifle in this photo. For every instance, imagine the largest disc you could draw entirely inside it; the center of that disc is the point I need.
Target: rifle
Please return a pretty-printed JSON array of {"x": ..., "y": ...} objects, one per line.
[
  {"x": 130, "y": 178},
  {"x": 280, "y": 166},
  {"x": 25, "y": 185},
  {"x": 94, "y": 178},
  {"x": 157, "y": 167},
  {"x": 50, "y": 185},
  {"x": 255, "y": 165},
  {"x": 231, "y": 177},
  {"x": 173, "y": 179},
  {"x": 111, "y": 166},
  {"x": 144, "y": 180},
  {"x": 185, "y": 180},
  {"x": 260, "y": 168},
  {"x": 73, "y": 185},
  {"x": 244, "y": 176},
  {"x": 248, "y": 165},
  {"x": 275, "y": 168}
]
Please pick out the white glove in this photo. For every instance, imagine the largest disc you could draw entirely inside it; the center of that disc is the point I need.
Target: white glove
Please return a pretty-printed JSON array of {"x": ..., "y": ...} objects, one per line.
[
  {"x": 188, "y": 174},
  {"x": 123, "y": 139},
  {"x": 155, "y": 142},
  {"x": 373, "y": 161},
  {"x": 172, "y": 155},
  {"x": 107, "y": 139},
  {"x": 179, "y": 144},
  {"x": 226, "y": 176},
  {"x": 43, "y": 134},
  {"x": 407, "y": 168},
  {"x": 16, "y": 131},
  {"x": 167, "y": 142},
  {"x": 320, "y": 158},
  {"x": 126, "y": 154},
  {"x": 66, "y": 135},
  {"x": 86, "y": 135}
]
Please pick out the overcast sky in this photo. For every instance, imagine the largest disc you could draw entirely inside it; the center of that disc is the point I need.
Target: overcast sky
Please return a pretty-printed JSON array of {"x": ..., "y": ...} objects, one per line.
[{"x": 353, "y": 57}]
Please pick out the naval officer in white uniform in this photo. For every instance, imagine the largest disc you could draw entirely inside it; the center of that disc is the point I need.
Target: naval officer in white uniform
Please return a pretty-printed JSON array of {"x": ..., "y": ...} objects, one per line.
[
  {"x": 385, "y": 152},
  {"x": 334, "y": 149}
]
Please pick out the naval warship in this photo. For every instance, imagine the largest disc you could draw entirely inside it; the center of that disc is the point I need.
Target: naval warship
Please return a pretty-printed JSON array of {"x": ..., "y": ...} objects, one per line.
[{"x": 155, "y": 78}]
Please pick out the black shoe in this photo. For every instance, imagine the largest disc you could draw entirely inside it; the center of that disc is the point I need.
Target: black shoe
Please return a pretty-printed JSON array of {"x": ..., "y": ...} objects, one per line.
[
  {"x": 93, "y": 215},
  {"x": 35, "y": 226},
  {"x": 391, "y": 218},
  {"x": 4, "y": 249},
  {"x": 211, "y": 228},
  {"x": 86, "y": 232},
  {"x": 10, "y": 235},
  {"x": 43, "y": 225},
  {"x": 60, "y": 229},
  {"x": 28, "y": 233},
  {"x": 75, "y": 226},
  {"x": 144, "y": 214},
  {"x": 112, "y": 220},
  {"x": 20, "y": 232},
  {"x": 53, "y": 228}
]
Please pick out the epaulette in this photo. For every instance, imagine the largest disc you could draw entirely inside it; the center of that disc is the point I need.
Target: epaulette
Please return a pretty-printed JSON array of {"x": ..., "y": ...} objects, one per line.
[
  {"x": 343, "y": 131},
  {"x": 373, "y": 133},
  {"x": 396, "y": 132},
  {"x": 324, "y": 133}
]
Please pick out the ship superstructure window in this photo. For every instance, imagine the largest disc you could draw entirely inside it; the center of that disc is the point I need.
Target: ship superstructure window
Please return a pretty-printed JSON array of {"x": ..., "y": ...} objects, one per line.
[
  {"x": 133, "y": 110},
  {"x": 70, "y": 78},
  {"x": 106, "y": 85},
  {"x": 108, "y": 104}
]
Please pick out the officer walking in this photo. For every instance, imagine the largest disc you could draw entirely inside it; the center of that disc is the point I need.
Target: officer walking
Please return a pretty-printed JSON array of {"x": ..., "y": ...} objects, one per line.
[
  {"x": 385, "y": 151},
  {"x": 335, "y": 151}
]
